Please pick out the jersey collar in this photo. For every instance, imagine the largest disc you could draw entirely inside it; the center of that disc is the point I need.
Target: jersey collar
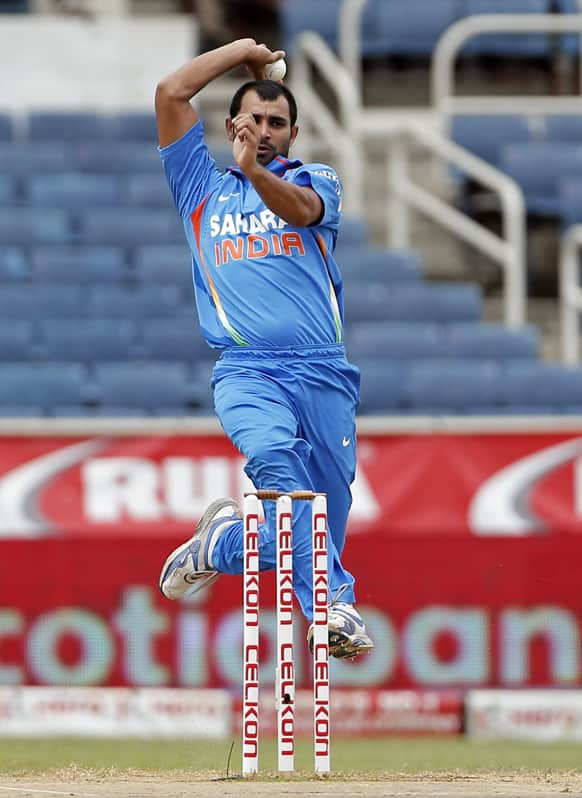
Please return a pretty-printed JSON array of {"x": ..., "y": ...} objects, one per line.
[{"x": 279, "y": 165}]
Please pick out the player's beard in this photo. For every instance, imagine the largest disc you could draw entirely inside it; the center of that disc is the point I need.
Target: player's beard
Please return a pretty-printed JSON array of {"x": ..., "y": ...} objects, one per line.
[{"x": 270, "y": 153}]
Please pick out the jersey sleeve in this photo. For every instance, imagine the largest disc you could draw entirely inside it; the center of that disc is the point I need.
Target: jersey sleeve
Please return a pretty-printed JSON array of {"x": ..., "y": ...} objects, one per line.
[
  {"x": 190, "y": 169},
  {"x": 326, "y": 183}
]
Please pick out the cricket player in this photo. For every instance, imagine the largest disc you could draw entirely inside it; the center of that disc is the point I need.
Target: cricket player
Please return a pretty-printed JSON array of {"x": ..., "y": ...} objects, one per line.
[{"x": 269, "y": 297}]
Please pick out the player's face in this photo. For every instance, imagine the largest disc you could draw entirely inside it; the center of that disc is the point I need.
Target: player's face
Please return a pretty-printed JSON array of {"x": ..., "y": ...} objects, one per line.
[{"x": 274, "y": 123}]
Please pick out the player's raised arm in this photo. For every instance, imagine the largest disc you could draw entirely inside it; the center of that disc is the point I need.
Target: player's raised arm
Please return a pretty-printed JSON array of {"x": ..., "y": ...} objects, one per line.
[{"x": 175, "y": 115}]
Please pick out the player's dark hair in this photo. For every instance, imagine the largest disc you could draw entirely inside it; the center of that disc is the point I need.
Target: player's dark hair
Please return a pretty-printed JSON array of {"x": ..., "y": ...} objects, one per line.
[{"x": 267, "y": 90}]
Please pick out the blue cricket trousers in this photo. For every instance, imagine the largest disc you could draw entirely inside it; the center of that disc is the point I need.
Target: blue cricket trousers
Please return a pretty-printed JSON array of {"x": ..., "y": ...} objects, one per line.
[{"x": 292, "y": 413}]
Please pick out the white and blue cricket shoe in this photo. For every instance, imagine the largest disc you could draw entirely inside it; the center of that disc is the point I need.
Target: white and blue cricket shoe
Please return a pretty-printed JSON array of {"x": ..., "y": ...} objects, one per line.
[
  {"x": 189, "y": 567},
  {"x": 346, "y": 632}
]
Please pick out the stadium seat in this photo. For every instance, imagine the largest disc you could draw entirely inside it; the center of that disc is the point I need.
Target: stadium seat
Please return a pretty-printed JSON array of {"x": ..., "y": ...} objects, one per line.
[
  {"x": 295, "y": 16},
  {"x": 394, "y": 340},
  {"x": 22, "y": 411},
  {"x": 173, "y": 339},
  {"x": 381, "y": 386},
  {"x": 537, "y": 384},
  {"x": 165, "y": 264},
  {"x": 14, "y": 265},
  {"x": 8, "y": 190},
  {"x": 130, "y": 226},
  {"x": 532, "y": 45},
  {"x": 538, "y": 169},
  {"x": 87, "y": 340},
  {"x": 570, "y": 198},
  {"x": 67, "y": 126},
  {"x": 21, "y": 301},
  {"x": 569, "y": 43},
  {"x": 134, "y": 126},
  {"x": 6, "y": 128},
  {"x": 73, "y": 190},
  {"x": 155, "y": 387},
  {"x": 451, "y": 386},
  {"x": 486, "y": 134},
  {"x": 141, "y": 302},
  {"x": 79, "y": 264},
  {"x": 563, "y": 127},
  {"x": 122, "y": 158},
  {"x": 374, "y": 263},
  {"x": 491, "y": 341},
  {"x": 437, "y": 302},
  {"x": 33, "y": 158},
  {"x": 411, "y": 27},
  {"x": 147, "y": 190},
  {"x": 42, "y": 384},
  {"x": 28, "y": 226},
  {"x": 16, "y": 340},
  {"x": 353, "y": 232}
]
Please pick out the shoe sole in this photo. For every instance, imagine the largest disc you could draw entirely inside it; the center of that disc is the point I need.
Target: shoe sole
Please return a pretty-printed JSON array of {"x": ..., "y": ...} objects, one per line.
[{"x": 206, "y": 517}]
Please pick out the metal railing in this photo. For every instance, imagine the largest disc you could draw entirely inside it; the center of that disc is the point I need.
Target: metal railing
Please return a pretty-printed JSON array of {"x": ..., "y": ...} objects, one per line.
[
  {"x": 341, "y": 137},
  {"x": 570, "y": 293},
  {"x": 508, "y": 249},
  {"x": 345, "y": 136},
  {"x": 451, "y": 42}
]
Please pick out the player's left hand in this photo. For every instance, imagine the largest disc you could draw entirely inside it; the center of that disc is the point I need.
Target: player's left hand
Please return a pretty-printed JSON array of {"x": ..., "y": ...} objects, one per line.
[
  {"x": 258, "y": 58},
  {"x": 246, "y": 140}
]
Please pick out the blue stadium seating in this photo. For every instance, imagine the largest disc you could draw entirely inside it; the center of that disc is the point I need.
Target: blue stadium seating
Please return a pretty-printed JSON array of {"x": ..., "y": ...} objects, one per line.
[
  {"x": 79, "y": 264},
  {"x": 42, "y": 384},
  {"x": 134, "y": 303},
  {"x": 570, "y": 198},
  {"x": 90, "y": 126},
  {"x": 156, "y": 388},
  {"x": 6, "y": 127},
  {"x": 16, "y": 340},
  {"x": 563, "y": 127},
  {"x": 508, "y": 44},
  {"x": 451, "y": 386},
  {"x": 491, "y": 341},
  {"x": 412, "y": 27},
  {"x": 536, "y": 385},
  {"x": 381, "y": 386},
  {"x": 126, "y": 157},
  {"x": 8, "y": 190},
  {"x": 438, "y": 302},
  {"x": 22, "y": 301},
  {"x": 14, "y": 265},
  {"x": 134, "y": 126},
  {"x": 374, "y": 263},
  {"x": 353, "y": 232},
  {"x": 296, "y": 16},
  {"x": 129, "y": 226},
  {"x": 538, "y": 169},
  {"x": 486, "y": 134},
  {"x": 150, "y": 268},
  {"x": 28, "y": 226},
  {"x": 73, "y": 190},
  {"x": 32, "y": 158},
  {"x": 147, "y": 190},
  {"x": 393, "y": 340},
  {"x": 87, "y": 340},
  {"x": 67, "y": 126},
  {"x": 173, "y": 339}
]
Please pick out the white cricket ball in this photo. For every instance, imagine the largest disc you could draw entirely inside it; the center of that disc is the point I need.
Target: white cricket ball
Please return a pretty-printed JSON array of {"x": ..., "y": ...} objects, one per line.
[{"x": 277, "y": 70}]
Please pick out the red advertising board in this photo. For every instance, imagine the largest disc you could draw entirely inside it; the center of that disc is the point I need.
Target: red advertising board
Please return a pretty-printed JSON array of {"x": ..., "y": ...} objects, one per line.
[
  {"x": 465, "y": 549},
  {"x": 482, "y": 484}
]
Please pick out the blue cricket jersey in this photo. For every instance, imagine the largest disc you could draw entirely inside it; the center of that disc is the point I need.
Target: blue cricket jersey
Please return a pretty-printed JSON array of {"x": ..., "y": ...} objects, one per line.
[{"x": 259, "y": 282}]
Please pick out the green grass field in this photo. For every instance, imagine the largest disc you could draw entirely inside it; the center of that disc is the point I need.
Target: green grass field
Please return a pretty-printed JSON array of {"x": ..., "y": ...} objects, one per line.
[{"x": 361, "y": 756}]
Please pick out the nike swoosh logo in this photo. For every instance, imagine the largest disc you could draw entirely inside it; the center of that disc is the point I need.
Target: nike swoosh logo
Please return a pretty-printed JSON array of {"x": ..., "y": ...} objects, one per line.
[
  {"x": 224, "y": 197},
  {"x": 346, "y": 442}
]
